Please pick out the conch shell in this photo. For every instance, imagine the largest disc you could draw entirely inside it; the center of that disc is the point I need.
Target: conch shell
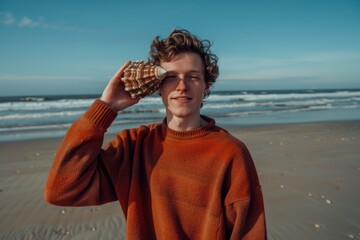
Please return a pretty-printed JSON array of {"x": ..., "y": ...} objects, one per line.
[{"x": 142, "y": 79}]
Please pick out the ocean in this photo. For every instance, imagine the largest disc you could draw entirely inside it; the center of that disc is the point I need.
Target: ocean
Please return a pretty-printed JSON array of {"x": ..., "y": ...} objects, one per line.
[{"x": 36, "y": 117}]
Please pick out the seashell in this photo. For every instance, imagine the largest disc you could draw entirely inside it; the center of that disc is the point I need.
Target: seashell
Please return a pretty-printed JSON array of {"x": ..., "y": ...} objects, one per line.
[{"x": 142, "y": 79}]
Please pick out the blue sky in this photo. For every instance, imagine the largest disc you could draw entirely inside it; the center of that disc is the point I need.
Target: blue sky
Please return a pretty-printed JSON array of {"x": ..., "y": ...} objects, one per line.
[{"x": 74, "y": 47}]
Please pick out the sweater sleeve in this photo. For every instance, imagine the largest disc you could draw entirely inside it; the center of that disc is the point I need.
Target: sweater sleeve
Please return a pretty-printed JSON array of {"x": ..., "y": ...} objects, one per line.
[
  {"x": 244, "y": 206},
  {"x": 80, "y": 173}
]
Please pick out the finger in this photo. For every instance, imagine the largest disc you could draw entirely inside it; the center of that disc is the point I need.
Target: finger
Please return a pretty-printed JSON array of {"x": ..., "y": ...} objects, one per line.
[
  {"x": 120, "y": 72},
  {"x": 136, "y": 100}
]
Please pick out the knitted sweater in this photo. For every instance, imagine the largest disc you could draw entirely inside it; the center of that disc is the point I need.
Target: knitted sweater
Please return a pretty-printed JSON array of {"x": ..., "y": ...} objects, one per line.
[{"x": 199, "y": 184}]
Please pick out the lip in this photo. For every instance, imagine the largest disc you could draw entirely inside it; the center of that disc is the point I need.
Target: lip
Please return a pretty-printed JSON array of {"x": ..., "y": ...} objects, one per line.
[{"x": 182, "y": 98}]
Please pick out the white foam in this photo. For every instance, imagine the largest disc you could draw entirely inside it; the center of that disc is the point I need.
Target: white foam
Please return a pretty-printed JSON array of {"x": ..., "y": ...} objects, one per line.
[
  {"x": 44, "y": 105},
  {"x": 40, "y": 115}
]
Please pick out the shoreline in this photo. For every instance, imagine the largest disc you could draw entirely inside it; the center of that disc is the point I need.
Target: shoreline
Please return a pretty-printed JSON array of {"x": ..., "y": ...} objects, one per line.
[
  {"x": 309, "y": 172},
  {"x": 112, "y": 132}
]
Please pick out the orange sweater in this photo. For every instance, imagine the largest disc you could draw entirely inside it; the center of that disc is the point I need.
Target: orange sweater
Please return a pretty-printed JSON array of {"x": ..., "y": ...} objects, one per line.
[{"x": 200, "y": 184}]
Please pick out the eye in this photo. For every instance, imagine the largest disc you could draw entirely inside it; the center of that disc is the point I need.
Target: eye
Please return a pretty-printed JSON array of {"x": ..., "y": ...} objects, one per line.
[
  {"x": 194, "y": 77},
  {"x": 170, "y": 77}
]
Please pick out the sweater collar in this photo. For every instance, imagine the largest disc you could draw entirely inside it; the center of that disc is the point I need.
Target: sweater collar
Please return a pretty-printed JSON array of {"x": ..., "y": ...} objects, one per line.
[{"x": 184, "y": 135}]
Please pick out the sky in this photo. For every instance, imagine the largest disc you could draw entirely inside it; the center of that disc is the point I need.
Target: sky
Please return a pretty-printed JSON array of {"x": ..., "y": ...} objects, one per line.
[{"x": 74, "y": 47}]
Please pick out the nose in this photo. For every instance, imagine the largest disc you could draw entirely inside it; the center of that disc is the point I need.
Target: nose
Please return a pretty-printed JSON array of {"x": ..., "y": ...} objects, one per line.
[{"x": 182, "y": 85}]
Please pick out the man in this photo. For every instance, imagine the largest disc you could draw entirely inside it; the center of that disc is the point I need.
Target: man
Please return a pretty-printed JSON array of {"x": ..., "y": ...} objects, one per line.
[{"x": 183, "y": 178}]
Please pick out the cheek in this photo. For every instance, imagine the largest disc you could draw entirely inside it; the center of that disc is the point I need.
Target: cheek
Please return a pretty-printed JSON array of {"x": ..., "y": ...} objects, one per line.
[
  {"x": 165, "y": 87},
  {"x": 163, "y": 92}
]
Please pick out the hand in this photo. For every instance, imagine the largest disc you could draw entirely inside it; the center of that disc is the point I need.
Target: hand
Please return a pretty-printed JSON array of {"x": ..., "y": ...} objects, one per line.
[{"x": 115, "y": 95}]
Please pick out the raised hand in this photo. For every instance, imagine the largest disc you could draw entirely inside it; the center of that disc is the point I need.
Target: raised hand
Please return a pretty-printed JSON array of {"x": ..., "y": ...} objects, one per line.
[{"x": 115, "y": 95}]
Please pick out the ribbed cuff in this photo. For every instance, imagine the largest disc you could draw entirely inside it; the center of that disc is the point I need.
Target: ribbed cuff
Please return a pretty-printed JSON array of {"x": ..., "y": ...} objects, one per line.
[{"x": 100, "y": 114}]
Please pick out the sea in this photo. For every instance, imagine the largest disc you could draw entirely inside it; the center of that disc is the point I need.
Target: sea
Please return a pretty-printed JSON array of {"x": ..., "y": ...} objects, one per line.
[{"x": 40, "y": 117}]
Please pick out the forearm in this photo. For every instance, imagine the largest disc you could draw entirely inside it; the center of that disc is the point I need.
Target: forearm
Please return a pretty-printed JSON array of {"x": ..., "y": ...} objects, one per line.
[{"x": 77, "y": 174}]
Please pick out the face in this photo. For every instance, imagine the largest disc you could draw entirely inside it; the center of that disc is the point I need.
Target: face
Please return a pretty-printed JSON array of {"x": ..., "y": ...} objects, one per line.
[{"x": 184, "y": 86}]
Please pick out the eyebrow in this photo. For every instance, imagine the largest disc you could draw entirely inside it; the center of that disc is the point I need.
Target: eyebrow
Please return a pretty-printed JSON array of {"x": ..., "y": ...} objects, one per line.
[
  {"x": 191, "y": 71},
  {"x": 195, "y": 71}
]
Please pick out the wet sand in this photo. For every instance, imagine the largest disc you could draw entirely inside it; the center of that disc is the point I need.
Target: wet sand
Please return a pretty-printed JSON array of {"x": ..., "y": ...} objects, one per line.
[{"x": 310, "y": 175}]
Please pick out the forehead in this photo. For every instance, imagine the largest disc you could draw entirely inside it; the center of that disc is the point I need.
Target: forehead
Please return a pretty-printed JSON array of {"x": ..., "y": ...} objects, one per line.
[{"x": 184, "y": 62}]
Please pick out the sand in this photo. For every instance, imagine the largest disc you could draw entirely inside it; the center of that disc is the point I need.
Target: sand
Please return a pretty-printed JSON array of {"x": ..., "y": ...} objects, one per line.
[{"x": 310, "y": 175}]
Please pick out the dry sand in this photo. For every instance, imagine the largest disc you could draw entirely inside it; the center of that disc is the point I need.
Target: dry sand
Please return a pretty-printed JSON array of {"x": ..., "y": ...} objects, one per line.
[{"x": 310, "y": 174}]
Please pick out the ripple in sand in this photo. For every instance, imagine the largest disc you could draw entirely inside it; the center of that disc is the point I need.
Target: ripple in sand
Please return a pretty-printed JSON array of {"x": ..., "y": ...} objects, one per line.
[{"x": 61, "y": 231}]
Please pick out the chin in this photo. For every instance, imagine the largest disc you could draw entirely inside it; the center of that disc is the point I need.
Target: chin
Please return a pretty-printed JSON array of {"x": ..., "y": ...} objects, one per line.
[{"x": 182, "y": 114}]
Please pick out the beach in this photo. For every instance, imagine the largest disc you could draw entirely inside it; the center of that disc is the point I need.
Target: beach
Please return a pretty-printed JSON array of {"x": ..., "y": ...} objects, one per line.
[{"x": 309, "y": 172}]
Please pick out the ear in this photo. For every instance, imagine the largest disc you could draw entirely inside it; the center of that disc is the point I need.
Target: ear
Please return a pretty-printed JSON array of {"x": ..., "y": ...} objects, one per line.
[{"x": 207, "y": 89}]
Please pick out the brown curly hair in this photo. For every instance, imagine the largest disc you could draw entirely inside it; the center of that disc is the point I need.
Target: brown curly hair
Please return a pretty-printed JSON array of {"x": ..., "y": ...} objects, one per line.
[{"x": 181, "y": 40}]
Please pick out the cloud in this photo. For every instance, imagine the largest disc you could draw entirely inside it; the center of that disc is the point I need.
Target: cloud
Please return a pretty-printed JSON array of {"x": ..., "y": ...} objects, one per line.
[
  {"x": 13, "y": 77},
  {"x": 28, "y": 22},
  {"x": 8, "y": 19}
]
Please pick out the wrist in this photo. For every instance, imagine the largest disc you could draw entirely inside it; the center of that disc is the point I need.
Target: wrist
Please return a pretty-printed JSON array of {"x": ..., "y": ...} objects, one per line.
[
  {"x": 100, "y": 114},
  {"x": 110, "y": 104}
]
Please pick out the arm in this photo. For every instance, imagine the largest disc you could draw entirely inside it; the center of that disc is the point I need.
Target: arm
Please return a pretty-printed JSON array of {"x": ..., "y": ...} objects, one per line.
[
  {"x": 80, "y": 172},
  {"x": 244, "y": 206}
]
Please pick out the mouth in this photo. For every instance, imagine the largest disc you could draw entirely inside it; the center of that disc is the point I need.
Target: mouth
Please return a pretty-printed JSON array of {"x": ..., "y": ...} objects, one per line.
[{"x": 182, "y": 98}]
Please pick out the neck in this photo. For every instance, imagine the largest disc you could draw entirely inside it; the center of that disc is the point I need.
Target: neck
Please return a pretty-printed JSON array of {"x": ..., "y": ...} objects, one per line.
[{"x": 185, "y": 124}]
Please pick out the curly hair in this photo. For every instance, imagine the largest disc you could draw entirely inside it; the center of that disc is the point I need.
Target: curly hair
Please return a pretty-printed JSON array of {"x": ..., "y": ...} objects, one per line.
[{"x": 181, "y": 40}]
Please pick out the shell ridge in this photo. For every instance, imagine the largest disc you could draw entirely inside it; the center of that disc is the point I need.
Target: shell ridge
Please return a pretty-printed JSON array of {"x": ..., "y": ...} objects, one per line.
[{"x": 142, "y": 78}]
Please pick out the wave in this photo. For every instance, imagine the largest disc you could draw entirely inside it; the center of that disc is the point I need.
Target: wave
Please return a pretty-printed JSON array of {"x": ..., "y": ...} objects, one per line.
[
  {"x": 288, "y": 110},
  {"x": 344, "y": 94},
  {"x": 43, "y": 115},
  {"x": 36, "y": 127},
  {"x": 63, "y": 104},
  {"x": 40, "y": 115},
  {"x": 33, "y": 99},
  {"x": 44, "y": 105},
  {"x": 271, "y": 105},
  {"x": 140, "y": 111},
  {"x": 65, "y": 126},
  {"x": 27, "y": 115},
  {"x": 228, "y": 105},
  {"x": 283, "y": 96}
]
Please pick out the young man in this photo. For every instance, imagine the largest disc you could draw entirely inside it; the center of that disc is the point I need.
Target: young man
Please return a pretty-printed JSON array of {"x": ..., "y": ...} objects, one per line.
[{"x": 183, "y": 178}]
